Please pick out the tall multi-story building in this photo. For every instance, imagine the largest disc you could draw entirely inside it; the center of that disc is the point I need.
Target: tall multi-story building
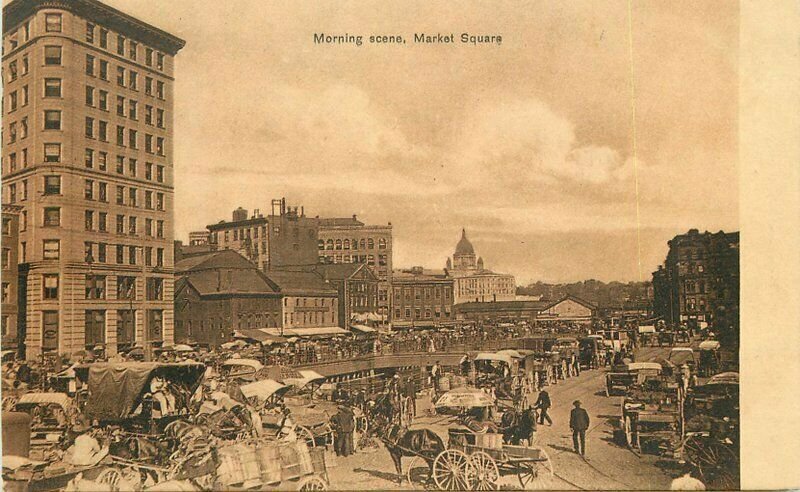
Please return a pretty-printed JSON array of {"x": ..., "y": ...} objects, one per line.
[
  {"x": 348, "y": 240},
  {"x": 285, "y": 238},
  {"x": 474, "y": 283},
  {"x": 699, "y": 279},
  {"x": 10, "y": 279},
  {"x": 88, "y": 155}
]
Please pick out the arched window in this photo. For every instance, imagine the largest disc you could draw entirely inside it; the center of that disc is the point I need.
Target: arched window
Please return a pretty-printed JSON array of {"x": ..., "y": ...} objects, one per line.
[
  {"x": 370, "y": 243},
  {"x": 346, "y": 244},
  {"x": 363, "y": 244},
  {"x": 329, "y": 244},
  {"x": 346, "y": 257},
  {"x": 321, "y": 244},
  {"x": 382, "y": 243},
  {"x": 371, "y": 260},
  {"x": 355, "y": 243},
  {"x": 338, "y": 244}
]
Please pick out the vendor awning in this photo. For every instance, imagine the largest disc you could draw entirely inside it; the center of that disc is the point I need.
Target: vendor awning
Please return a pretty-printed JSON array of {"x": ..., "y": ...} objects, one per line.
[
  {"x": 262, "y": 335},
  {"x": 263, "y": 390},
  {"x": 363, "y": 328},
  {"x": 256, "y": 365},
  {"x": 310, "y": 331},
  {"x": 307, "y": 376}
]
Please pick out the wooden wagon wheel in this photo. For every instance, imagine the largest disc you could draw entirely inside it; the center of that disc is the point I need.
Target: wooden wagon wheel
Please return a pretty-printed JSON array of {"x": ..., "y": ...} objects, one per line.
[
  {"x": 306, "y": 434},
  {"x": 312, "y": 482},
  {"x": 110, "y": 477},
  {"x": 484, "y": 472},
  {"x": 327, "y": 433},
  {"x": 536, "y": 474},
  {"x": 451, "y": 470},
  {"x": 629, "y": 432},
  {"x": 710, "y": 458},
  {"x": 419, "y": 471}
]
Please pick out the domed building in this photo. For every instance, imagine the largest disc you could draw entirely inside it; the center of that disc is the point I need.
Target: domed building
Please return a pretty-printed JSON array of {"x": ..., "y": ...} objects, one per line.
[{"x": 472, "y": 282}]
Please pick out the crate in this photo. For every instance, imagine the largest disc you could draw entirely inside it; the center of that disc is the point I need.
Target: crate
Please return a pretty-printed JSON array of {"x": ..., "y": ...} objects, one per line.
[{"x": 489, "y": 440}]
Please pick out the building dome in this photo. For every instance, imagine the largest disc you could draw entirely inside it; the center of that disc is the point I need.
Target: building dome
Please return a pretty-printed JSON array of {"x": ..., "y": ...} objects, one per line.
[{"x": 464, "y": 247}]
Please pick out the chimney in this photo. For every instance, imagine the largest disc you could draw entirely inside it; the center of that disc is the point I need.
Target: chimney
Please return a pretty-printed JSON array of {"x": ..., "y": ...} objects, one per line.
[{"x": 354, "y": 216}]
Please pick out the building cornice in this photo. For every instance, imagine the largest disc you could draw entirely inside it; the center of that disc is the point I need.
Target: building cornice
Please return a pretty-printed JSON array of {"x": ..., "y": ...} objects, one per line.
[{"x": 17, "y": 11}]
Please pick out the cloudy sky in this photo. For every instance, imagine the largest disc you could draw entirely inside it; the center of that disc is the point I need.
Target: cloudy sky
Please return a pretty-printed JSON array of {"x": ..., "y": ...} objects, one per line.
[{"x": 528, "y": 144}]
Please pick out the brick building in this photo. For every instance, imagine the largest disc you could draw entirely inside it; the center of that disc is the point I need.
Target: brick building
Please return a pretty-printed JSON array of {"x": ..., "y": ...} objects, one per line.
[
  {"x": 500, "y": 311},
  {"x": 309, "y": 304},
  {"x": 699, "y": 279},
  {"x": 348, "y": 240},
  {"x": 284, "y": 238},
  {"x": 11, "y": 339},
  {"x": 357, "y": 287},
  {"x": 88, "y": 155},
  {"x": 219, "y": 292},
  {"x": 421, "y": 298}
]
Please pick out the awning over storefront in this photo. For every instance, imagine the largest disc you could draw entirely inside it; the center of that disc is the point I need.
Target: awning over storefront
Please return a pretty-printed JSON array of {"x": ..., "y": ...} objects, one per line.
[
  {"x": 260, "y": 335},
  {"x": 363, "y": 328},
  {"x": 305, "y": 332}
]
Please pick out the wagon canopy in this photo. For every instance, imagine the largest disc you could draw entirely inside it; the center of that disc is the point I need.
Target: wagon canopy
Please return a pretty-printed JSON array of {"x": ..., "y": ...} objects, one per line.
[
  {"x": 643, "y": 366},
  {"x": 465, "y": 398},
  {"x": 252, "y": 363},
  {"x": 116, "y": 389},
  {"x": 724, "y": 378},
  {"x": 514, "y": 354},
  {"x": 647, "y": 329},
  {"x": 307, "y": 377},
  {"x": 494, "y": 357},
  {"x": 60, "y": 399},
  {"x": 709, "y": 345},
  {"x": 264, "y": 389}
]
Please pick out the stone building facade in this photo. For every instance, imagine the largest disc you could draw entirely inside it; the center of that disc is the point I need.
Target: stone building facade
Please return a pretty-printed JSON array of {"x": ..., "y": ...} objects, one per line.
[
  {"x": 699, "y": 279},
  {"x": 474, "y": 283},
  {"x": 348, "y": 240},
  {"x": 11, "y": 339},
  {"x": 88, "y": 155}
]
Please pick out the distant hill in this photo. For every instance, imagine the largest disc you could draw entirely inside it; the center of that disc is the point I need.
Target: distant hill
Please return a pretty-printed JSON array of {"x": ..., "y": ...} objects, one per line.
[{"x": 604, "y": 295}]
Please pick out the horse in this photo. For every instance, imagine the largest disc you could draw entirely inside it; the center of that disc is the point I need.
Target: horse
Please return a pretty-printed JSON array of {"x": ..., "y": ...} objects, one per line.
[
  {"x": 517, "y": 425},
  {"x": 402, "y": 441}
]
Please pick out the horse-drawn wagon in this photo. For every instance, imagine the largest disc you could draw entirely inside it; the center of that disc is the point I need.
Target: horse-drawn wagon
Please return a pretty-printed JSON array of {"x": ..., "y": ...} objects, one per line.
[
  {"x": 709, "y": 360},
  {"x": 652, "y": 416},
  {"x": 622, "y": 377}
]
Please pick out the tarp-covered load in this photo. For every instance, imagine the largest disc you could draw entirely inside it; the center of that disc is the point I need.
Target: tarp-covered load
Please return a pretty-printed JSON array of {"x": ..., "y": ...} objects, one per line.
[
  {"x": 465, "y": 398},
  {"x": 116, "y": 389},
  {"x": 263, "y": 390},
  {"x": 494, "y": 357}
]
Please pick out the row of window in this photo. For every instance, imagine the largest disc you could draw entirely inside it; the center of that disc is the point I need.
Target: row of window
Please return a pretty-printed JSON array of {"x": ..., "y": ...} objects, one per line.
[
  {"x": 368, "y": 243},
  {"x": 152, "y": 144},
  {"x": 151, "y": 57},
  {"x": 96, "y": 287},
  {"x": 368, "y": 259},
  {"x": 12, "y": 160},
  {"x": 418, "y": 313},
  {"x": 99, "y": 160},
  {"x": 95, "y": 328},
  {"x": 99, "y": 253},
  {"x": 125, "y": 78},
  {"x": 420, "y": 292},
  {"x": 13, "y": 37},
  {"x": 152, "y": 116},
  {"x": 96, "y": 221},
  {"x": 13, "y": 133},
  {"x": 52, "y": 186}
]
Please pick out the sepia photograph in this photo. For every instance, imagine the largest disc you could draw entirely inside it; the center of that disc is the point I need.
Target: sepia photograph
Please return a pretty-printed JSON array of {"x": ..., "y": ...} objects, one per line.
[{"x": 356, "y": 245}]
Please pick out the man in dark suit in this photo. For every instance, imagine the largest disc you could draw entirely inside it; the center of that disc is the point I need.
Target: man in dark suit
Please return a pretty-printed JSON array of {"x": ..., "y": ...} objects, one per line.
[
  {"x": 543, "y": 405},
  {"x": 579, "y": 423}
]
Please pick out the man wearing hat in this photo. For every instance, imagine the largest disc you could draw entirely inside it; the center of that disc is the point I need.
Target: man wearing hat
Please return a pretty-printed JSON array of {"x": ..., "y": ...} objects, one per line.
[{"x": 579, "y": 423}]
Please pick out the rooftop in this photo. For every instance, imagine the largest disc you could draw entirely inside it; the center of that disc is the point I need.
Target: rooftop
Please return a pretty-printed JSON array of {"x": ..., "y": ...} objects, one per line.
[
  {"x": 18, "y": 10},
  {"x": 464, "y": 247}
]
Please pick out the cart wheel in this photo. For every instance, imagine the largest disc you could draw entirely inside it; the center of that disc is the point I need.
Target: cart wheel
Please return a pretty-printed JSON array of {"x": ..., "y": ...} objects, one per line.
[
  {"x": 536, "y": 474},
  {"x": 484, "y": 471},
  {"x": 327, "y": 433},
  {"x": 110, "y": 477},
  {"x": 312, "y": 482},
  {"x": 451, "y": 470},
  {"x": 306, "y": 434},
  {"x": 418, "y": 472},
  {"x": 628, "y": 432}
]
